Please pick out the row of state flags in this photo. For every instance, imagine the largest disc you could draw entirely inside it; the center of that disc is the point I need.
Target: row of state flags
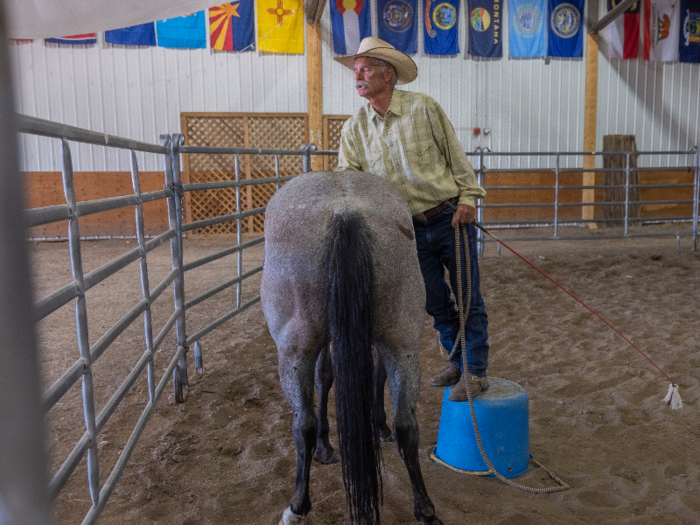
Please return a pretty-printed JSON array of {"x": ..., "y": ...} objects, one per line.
[
  {"x": 671, "y": 31},
  {"x": 231, "y": 27},
  {"x": 537, "y": 28}
]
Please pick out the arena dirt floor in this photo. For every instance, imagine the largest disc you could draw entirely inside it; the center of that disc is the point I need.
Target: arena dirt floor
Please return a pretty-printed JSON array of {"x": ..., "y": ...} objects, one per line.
[{"x": 226, "y": 455}]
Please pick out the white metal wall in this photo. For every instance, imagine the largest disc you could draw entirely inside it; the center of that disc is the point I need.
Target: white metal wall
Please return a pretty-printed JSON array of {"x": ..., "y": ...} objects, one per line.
[
  {"x": 139, "y": 93},
  {"x": 526, "y": 105}
]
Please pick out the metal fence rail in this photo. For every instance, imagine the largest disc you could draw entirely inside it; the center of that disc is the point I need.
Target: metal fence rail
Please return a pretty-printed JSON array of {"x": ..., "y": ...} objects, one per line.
[{"x": 482, "y": 155}]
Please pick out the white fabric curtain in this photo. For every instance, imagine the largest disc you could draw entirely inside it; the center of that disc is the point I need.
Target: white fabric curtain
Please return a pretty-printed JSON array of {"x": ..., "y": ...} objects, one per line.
[{"x": 57, "y": 18}]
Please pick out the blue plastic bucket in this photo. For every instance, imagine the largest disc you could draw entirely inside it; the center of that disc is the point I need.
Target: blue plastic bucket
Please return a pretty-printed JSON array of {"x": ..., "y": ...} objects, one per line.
[{"x": 502, "y": 419}]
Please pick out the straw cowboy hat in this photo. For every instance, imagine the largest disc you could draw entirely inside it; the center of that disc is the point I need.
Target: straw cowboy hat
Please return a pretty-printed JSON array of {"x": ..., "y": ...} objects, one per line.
[{"x": 405, "y": 67}]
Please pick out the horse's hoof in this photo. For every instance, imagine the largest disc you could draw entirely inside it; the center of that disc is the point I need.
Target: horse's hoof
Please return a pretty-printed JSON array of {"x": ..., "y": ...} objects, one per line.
[
  {"x": 325, "y": 458},
  {"x": 387, "y": 438},
  {"x": 289, "y": 518}
]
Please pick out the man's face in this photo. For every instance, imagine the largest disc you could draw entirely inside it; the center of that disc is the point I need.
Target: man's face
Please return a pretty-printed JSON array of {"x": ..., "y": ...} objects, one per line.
[{"x": 370, "y": 80}]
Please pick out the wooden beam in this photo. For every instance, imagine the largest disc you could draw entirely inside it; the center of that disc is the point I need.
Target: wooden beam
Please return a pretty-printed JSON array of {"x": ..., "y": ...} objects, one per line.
[
  {"x": 589, "y": 125},
  {"x": 315, "y": 90}
]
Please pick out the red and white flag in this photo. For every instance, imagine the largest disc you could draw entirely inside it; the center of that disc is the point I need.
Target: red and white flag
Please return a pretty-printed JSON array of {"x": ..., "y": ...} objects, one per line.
[
  {"x": 623, "y": 33},
  {"x": 662, "y": 22}
]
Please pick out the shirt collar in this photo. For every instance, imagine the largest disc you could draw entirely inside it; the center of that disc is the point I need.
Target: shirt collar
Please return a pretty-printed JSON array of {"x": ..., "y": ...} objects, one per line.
[{"x": 394, "y": 106}]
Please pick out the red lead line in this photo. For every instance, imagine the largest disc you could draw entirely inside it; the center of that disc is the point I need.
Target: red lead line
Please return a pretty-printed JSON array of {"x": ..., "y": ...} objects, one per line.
[{"x": 572, "y": 295}]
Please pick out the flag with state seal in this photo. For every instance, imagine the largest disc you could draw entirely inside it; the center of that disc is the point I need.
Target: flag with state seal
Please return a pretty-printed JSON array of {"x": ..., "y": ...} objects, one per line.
[
  {"x": 351, "y": 22},
  {"x": 689, "y": 50},
  {"x": 440, "y": 27},
  {"x": 565, "y": 33},
  {"x": 528, "y": 29},
  {"x": 662, "y": 24},
  {"x": 485, "y": 27},
  {"x": 398, "y": 25}
]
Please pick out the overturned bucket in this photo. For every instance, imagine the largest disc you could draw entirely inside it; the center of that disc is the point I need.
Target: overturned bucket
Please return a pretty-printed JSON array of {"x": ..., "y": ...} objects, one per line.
[{"x": 502, "y": 420}]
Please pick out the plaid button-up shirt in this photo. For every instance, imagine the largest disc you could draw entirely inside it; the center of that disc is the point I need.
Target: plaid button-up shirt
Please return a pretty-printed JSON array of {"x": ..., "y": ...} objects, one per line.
[{"x": 414, "y": 147}]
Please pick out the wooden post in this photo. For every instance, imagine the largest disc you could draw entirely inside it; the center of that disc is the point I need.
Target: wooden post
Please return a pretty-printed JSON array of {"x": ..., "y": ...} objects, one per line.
[
  {"x": 589, "y": 126},
  {"x": 315, "y": 89}
]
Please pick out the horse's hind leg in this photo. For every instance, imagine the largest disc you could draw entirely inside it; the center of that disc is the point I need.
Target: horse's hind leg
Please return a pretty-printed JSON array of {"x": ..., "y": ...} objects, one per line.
[
  {"x": 403, "y": 371},
  {"x": 379, "y": 380},
  {"x": 296, "y": 367},
  {"x": 324, "y": 380}
]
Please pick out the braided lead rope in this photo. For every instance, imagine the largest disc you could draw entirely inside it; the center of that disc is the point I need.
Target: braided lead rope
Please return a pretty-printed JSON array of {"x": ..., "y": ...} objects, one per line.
[{"x": 462, "y": 320}]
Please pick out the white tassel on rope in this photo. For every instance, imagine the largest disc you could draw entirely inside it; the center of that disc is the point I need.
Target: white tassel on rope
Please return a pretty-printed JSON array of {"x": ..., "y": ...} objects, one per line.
[{"x": 673, "y": 398}]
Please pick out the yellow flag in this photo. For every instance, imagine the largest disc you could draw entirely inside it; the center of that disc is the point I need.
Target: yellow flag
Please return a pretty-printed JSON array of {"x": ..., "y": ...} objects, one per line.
[{"x": 281, "y": 26}]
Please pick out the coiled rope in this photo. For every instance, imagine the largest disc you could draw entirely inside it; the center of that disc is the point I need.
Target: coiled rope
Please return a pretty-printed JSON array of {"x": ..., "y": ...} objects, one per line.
[{"x": 462, "y": 321}]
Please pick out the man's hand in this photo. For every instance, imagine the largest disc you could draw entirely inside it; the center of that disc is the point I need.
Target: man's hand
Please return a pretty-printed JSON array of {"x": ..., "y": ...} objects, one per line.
[{"x": 464, "y": 214}]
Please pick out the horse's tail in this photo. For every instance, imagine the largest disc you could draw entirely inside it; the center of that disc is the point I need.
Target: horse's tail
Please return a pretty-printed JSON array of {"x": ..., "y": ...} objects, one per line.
[{"x": 349, "y": 273}]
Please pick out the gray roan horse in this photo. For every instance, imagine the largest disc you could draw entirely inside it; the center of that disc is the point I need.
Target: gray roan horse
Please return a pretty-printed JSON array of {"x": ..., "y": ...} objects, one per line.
[{"x": 341, "y": 270}]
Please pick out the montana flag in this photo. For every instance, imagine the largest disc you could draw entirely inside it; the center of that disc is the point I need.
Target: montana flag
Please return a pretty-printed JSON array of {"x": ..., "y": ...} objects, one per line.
[
  {"x": 485, "y": 28},
  {"x": 351, "y": 22},
  {"x": 662, "y": 23},
  {"x": 183, "y": 31},
  {"x": 623, "y": 32},
  {"x": 88, "y": 38},
  {"x": 281, "y": 26},
  {"x": 689, "y": 50},
  {"x": 140, "y": 35},
  {"x": 565, "y": 35},
  {"x": 528, "y": 28},
  {"x": 231, "y": 26},
  {"x": 440, "y": 28},
  {"x": 398, "y": 24}
]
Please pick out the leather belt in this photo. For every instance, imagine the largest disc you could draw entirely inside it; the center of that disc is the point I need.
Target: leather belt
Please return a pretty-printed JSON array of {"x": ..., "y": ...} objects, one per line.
[{"x": 422, "y": 217}]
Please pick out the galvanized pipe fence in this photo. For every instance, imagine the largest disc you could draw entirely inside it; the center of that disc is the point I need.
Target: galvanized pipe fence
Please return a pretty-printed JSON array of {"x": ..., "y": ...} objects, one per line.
[
  {"x": 481, "y": 156},
  {"x": 171, "y": 147}
]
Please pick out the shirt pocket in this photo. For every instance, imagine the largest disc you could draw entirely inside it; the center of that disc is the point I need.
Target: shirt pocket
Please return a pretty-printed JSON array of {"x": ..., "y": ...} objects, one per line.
[{"x": 418, "y": 156}]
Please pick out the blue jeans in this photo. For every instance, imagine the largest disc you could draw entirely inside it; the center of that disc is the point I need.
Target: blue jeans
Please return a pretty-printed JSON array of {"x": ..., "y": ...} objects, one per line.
[{"x": 435, "y": 239}]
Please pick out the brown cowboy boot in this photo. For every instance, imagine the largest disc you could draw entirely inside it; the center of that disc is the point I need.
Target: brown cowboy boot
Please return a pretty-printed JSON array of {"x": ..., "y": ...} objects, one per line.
[
  {"x": 447, "y": 378},
  {"x": 477, "y": 385}
]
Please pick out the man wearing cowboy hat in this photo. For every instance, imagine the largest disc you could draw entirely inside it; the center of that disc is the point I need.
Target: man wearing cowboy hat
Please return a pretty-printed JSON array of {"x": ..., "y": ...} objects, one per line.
[{"x": 406, "y": 138}]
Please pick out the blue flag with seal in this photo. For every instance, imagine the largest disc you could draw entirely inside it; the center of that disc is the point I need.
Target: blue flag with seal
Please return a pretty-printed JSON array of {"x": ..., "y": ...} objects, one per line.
[
  {"x": 351, "y": 22},
  {"x": 485, "y": 28},
  {"x": 139, "y": 35},
  {"x": 528, "y": 35},
  {"x": 440, "y": 29},
  {"x": 565, "y": 34},
  {"x": 398, "y": 25},
  {"x": 183, "y": 31},
  {"x": 689, "y": 48}
]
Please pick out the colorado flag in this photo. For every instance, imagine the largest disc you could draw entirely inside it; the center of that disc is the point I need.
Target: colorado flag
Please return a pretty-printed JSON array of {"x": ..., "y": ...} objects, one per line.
[
  {"x": 528, "y": 33},
  {"x": 662, "y": 23},
  {"x": 351, "y": 23}
]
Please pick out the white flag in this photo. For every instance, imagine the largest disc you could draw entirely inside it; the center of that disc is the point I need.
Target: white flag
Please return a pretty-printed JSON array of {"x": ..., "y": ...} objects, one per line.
[{"x": 661, "y": 29}]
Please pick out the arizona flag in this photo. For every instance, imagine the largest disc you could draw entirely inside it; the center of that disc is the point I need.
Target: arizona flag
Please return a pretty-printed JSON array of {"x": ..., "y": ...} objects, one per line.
[
  {"x": 623, "y": 32},
  {"x": 88, "y": 38},
  {"x": 689, "y": 49},
  {"x": 398, "y": 24},
  {"x": 351, "y": 23},
  {"x": 662, "y": 22},
  {"x": 440, "y": 30},
  {"x": 281, "y": 26},
  {"x": 231, "y": 26}
]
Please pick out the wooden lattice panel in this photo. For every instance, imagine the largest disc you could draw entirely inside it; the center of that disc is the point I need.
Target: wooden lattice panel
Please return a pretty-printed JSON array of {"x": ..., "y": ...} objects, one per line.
[
  {"x": 332, "y": 126},
  {"x": 238, "y": 130}
]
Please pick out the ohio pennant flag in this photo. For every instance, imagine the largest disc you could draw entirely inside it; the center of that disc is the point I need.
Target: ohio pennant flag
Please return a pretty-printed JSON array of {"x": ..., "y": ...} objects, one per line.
[{"x": 281, "y": 26}]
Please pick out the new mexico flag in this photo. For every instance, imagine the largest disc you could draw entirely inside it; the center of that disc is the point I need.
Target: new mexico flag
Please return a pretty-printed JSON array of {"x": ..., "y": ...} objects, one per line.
[{"x": 281, "y": 26}]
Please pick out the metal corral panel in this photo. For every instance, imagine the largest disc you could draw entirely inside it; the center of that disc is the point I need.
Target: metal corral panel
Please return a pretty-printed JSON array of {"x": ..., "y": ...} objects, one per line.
[{"x": 139, "y": 93}]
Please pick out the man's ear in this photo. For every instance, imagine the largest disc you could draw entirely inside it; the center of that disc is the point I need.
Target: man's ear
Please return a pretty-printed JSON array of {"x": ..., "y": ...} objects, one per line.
[{"x": 389, "y": 73}]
